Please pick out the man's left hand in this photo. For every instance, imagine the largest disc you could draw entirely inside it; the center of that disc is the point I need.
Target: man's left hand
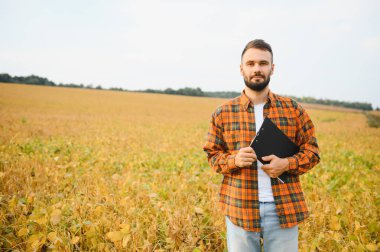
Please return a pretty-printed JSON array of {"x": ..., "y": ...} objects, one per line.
[{"x": 276, "y": 166}]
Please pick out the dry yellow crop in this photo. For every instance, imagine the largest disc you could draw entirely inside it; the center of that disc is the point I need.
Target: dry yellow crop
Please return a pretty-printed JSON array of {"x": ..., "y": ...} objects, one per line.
[{"x": 109, "y": 171}]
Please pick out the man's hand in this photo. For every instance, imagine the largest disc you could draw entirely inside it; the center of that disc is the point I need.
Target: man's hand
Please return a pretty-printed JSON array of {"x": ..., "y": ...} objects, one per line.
[
  {"x": 245, "y": 157},
  {"x": 276, "y": 167}
]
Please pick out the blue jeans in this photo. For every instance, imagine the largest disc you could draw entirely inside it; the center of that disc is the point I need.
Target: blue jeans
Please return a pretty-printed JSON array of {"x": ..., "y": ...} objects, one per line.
[{"x": 274, "y": 238}]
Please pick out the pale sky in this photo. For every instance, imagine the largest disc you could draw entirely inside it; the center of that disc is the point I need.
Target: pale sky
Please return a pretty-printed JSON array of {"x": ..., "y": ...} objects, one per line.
[{"x": 325, "y": 49}]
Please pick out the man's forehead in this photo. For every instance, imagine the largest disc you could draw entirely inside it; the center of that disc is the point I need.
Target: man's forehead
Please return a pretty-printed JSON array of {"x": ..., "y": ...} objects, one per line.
[{"x": 254, "y": 54}]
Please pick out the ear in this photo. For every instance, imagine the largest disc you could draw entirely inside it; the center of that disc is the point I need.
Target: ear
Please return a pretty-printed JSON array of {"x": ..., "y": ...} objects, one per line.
[
  {"x": 272, "y": 69},
  {"x": 241, "y": 69}
]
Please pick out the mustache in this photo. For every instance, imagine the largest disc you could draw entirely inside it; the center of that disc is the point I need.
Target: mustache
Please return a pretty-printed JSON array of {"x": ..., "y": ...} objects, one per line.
[{"x": 258, "y": 75}]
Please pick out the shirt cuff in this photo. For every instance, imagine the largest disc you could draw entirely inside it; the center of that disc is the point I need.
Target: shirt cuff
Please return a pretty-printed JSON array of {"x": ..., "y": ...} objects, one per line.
[
  {"x": 293, "y": 163},
  {"x": 231, "y": 162}
]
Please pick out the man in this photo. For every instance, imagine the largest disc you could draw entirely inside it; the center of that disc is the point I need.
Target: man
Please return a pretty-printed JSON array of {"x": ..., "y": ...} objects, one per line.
[{"x": 257, "y": 205}]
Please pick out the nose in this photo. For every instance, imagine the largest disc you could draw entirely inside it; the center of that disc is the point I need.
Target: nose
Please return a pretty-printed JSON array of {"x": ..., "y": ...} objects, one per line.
[{"x": 256, "y": 68}]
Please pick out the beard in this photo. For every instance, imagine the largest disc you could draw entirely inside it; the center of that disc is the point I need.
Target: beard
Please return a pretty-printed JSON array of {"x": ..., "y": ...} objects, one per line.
[{"x": 257, "y": 86}]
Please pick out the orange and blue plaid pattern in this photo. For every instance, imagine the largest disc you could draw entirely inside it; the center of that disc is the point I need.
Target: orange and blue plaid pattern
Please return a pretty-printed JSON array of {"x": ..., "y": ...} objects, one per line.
[{"x": 233, "y": 127}]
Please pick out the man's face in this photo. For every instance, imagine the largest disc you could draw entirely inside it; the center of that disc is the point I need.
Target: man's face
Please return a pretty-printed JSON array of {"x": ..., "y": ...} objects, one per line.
[{"x": 256, "y": 68}]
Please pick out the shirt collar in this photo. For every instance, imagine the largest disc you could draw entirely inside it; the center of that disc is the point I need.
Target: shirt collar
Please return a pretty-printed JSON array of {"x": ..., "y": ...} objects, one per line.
[{"x": 245, "y": 102}]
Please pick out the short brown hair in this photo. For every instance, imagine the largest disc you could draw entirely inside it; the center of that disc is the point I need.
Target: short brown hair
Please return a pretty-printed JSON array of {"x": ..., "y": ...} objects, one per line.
[{"x": 258, "y": 44}]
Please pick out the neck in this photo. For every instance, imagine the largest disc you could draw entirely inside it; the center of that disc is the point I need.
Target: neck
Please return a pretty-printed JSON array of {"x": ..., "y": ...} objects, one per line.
[{"x": 257, "y": 97}]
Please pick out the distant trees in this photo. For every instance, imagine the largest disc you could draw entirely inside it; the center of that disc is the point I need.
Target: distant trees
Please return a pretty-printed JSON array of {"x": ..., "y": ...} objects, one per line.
[
  {"x": 182, "y": 91},
  {"x": 222, "y": 94},
  {"x": 31, "y": 79},
  {"x": 36, "y": 80},
  {"x": 169, "y": 91},
  {"x": 116, "y": 89},
  {"x": 354, "y": 105},
  {"x": 6, "y": 78}
]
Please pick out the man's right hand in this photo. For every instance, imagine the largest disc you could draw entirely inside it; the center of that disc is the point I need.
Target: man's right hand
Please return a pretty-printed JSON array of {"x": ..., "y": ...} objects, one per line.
[{"x": 245, "y": 157}]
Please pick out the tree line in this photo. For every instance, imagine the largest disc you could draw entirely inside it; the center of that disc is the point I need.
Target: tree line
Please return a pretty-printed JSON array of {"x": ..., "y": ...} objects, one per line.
[{"x": 188, "y": 91}]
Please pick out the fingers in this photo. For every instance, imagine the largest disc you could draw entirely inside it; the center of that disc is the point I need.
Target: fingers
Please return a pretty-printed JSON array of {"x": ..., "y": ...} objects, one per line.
[
  {"x": 265, "y": 167},
  {"x": 249, "y": 160},
  {"x": 247, "y": 155},
  {"x": 268, "y": 169},
  {"x": 243, "y": 162},
  {"x": 247, "y": 150},
  {"x": 246, "y": 164},
  {"x": 268, "y": 158}
]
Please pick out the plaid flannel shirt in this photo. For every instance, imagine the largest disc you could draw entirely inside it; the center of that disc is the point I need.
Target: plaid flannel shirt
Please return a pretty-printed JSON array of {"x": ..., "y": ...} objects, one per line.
[{"x": 233, "y": 127}]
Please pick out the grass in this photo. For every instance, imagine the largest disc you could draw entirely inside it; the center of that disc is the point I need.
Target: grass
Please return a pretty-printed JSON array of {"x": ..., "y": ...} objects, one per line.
[
  {"x": 373, "y": 119},
  {"x": 108, "y": 171}
]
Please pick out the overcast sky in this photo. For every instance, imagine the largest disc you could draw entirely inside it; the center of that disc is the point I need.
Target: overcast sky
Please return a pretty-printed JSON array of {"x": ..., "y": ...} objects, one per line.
[{"x": 325, "y": 49}]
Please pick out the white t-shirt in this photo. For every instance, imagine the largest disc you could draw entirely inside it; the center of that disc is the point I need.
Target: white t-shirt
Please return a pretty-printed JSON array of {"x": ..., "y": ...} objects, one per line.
[{"x": 265, "y": 188}]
